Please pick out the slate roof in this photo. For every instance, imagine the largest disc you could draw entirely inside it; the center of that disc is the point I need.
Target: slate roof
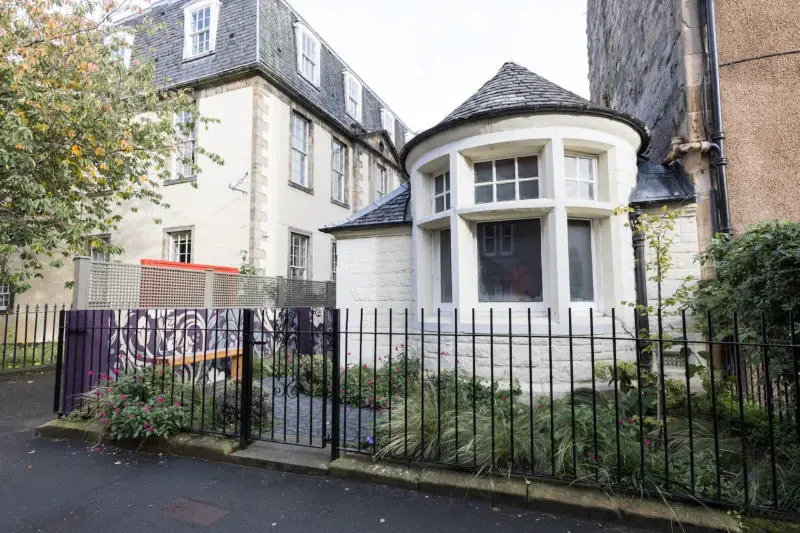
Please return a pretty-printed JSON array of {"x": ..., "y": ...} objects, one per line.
[
  {"x": 254, "y": 35},
  {"x": 391, "y": 210},
  {"x": 658, "y": 184},
  {"x": 516, "y": 90}
]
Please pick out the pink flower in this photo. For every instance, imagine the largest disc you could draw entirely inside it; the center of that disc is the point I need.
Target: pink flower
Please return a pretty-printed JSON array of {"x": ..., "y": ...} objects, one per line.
[
  {"x": 90, "y": 373},
  {"x": 116, "y": 371},
  {"x": 177, "y": 404},
  {"x": 147, "y": 408},
  {"x": 131, "y": 417},
  {"x": 122, "y": 397},
  {"x": 102, "y": 376},
  {"x": 632, "y": 420},
  {"x": 648, "y": 443},
  {"x": 116, "y": 411},
  {"x": 149, "y": 430},
  {"x": 619, "y": 422},
  {"x": 442, "y": 353},
  {"x": 160, "y": 399},
  {"x": 99, "y": 393},
  {"x": 103, "y": 413}
]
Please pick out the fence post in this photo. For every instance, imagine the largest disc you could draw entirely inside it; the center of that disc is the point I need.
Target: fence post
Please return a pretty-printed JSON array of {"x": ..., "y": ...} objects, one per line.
[
  {"x": 335, "y": 398},
  {"x": 208, "y": 292},
  {"x": 59, "y": 362},
  {"x": 247, "y": 379},
  {"x": 81, "y": 279}
]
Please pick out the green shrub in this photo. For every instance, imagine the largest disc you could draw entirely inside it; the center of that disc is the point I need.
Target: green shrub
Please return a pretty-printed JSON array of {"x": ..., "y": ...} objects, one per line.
[{"x": 130, "y": 407}]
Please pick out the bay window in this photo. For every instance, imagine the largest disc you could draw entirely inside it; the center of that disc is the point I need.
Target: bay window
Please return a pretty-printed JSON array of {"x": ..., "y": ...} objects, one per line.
[
  {"x": 502, "y": 180},
  {"x": 510, "y": 261}
]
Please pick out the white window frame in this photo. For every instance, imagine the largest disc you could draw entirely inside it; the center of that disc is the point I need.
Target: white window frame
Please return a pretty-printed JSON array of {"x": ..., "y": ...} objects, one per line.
[
  {"x": 334, "y": 259},
  {"x": 497, "y": 238},
  {"x": 388, "y": 122},
  {"x": 597, "y": 279},
  {"x": 299, "y": 249},
  {"x": 99, "y": 256},
  {"x": 180, "y": 167},
  {"x": 309, "y": 53},
  {"x": 353, "y": 92},
  {"x": 578, "y": 179},
  {"x": 189, "y": 31},
  {"x": 121, "y": 43},
  {"x": 174, "y": 240},
  {"x": 516, "y": 180},
  {"x": 445, "y": 194},
  {"x": 381, "y": 181},
  {"x": 6, "y": 298},
  {"x": 338, "y": 175},
  {"x": 302, "y": 150}
]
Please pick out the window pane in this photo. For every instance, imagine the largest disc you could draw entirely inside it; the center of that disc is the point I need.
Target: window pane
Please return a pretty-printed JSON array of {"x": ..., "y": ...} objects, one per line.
[
  {"x": 528, "y": 189},
  {"x": 528, "y": 167},
  {"x": 516, "y": 275},
  {"x": 587, "y": 191},
  {"x": 483, "y": 194},
  {"x": 585, "y": 170},
  {"x": 581, "y": 279},
  {"x": 440, "y": 204},
  {"x": 447, "y": 181},
  {"x": 445, "y": 267},
  {"x": 483, "y": 172},
  {"x": 447, "y": 200},
  {"x": 573, "y": 191},
  {"x": 506, "y": 191},
  {"x": 438, "y": 184},
  {"x": 571, "y": 167},
  {"x": 505, "y": 169}
]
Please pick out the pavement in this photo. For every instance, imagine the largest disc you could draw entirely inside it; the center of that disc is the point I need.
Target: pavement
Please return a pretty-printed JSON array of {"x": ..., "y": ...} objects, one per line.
[{"x": 66, "y": 486}]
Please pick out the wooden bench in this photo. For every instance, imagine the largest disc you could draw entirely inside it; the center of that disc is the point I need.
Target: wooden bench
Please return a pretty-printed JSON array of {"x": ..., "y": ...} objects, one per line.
[{"x": 234, "y": 354}]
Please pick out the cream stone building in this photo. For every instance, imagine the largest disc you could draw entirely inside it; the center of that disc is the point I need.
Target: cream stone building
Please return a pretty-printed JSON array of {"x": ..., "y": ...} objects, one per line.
[
  {"x": 506, "y": 226},
  {"x": 304, "y": 140}
]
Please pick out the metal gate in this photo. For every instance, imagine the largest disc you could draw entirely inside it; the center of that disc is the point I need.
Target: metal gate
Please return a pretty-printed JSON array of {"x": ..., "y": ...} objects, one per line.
[{"x": 290, "y": 368}]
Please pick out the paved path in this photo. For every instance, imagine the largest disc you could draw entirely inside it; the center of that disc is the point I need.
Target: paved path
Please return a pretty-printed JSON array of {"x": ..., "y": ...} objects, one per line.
[
  {"x": 66, "y": 487},
  {"x": 303, "y": 415}
]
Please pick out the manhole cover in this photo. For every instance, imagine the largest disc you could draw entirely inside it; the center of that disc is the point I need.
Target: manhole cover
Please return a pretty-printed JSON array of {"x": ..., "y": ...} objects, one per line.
[{"x": 194, "y": 512}]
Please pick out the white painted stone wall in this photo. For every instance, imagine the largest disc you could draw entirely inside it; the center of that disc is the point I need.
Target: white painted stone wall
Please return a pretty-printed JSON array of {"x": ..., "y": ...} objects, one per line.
[{"x": 375, "y": 272}]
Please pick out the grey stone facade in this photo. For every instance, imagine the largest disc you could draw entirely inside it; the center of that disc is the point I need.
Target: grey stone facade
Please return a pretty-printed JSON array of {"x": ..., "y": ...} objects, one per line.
[{"x": 636, "y": 64}]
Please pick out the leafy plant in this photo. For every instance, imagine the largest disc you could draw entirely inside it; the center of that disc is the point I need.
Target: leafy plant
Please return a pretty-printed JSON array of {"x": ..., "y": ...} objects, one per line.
[{"x": 130, "y": 407}]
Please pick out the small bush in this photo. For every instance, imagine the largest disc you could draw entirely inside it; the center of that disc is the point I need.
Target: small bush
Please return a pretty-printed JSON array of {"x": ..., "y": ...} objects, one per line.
[{"x": 129, "y": 407}]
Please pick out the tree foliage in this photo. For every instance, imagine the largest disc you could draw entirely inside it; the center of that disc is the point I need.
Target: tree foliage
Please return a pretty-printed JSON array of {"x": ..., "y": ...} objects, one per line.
[
  {"x": 83, "y": 136},
  {"x": 758, "y": 277}
]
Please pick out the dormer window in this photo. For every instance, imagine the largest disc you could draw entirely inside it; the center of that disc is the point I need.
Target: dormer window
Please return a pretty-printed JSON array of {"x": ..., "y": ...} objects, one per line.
[
  {"x": 121, "y": 44},
  {"x": 200, "y": 28},
  {"x": 308, "y": 53},
  {"x": 387, "y": 122},
  {"x": 352, "y": 96}
]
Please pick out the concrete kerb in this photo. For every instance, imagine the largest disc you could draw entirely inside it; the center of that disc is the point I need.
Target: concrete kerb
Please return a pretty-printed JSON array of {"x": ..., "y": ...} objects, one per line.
[{"x": 533, "y": 494}]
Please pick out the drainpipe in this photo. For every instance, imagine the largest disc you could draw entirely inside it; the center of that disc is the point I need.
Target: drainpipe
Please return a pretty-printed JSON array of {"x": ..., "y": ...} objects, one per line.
[
  {"x": 720, "y": 163},
  {"x": 640, "y": 283}
]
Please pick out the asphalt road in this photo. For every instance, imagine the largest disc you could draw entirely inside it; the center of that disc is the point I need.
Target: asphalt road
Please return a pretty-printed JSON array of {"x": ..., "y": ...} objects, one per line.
[{"x": 56, "y": 487}]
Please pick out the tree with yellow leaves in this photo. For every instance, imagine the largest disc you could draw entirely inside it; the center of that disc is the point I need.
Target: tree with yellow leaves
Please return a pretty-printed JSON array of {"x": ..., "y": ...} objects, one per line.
[{"x": 81, "y": 132}]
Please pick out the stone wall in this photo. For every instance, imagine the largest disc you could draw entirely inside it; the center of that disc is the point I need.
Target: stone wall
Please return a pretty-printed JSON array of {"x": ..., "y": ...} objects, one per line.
[{"x": 636, "y": 63}]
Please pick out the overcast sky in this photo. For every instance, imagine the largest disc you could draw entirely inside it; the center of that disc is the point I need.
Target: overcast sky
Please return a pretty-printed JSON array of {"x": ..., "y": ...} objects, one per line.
[{"x": 425, "y": 57}]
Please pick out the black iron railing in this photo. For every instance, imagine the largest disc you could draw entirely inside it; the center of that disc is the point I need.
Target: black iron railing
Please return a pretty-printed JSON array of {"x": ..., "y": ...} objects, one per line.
[
  {"x": 28, "y": 337},
  {"x": 713, "y": 417}
]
